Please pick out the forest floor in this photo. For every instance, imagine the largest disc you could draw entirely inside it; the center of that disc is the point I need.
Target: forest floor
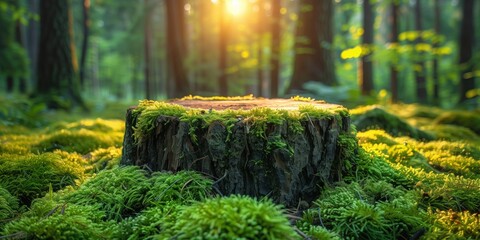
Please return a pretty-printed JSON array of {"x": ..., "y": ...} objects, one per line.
[{"x": 414, "y": 175}]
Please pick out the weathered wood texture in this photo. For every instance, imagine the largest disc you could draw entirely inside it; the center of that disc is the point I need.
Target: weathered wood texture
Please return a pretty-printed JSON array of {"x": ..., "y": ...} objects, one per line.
[{"x": 245, "y": 164}]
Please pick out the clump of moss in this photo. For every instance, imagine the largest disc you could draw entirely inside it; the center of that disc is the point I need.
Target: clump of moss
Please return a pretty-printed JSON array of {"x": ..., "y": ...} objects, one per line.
[
  {"x": 257, "y": 119},
  {"x": 182, "y": 187},
  {"x": 104, "y": 158},
  {"x": 82, "y": 141},
  {"x": 452, "y": 132},
  {"x": 376, "y": 117},
  {"x": 96, "y": 125},
  {"x": 119, "y": 192},
  {"x": 469, "y": 120},
  {"x": 234, "y": 217},
  {"x": 8, "y": 206},
  {"x": 53, "y": 220},
  {"x": 361, "y": 211},
  {"x": 450, "y": 224},
  {"x": 29, "y": 177},
  {"x": 17, "y": 144}
]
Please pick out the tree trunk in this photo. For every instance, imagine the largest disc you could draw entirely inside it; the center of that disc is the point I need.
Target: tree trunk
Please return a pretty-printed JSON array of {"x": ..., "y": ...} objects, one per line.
[
  {"x": 313, "y": 52},
  {"x": 275, "y": 46},
  {"x": 56, "y": 63},
  {"x": 366, "y": 69},
  {"x": 394, "y": 40},
  {"x": 223, "y": 44},
  {"x": 260, "y": 35},
  {"x": 436, "y": 77},
  {"x": 147, "y": 36},
  {"x": 86, "y": 34},
  {"x": 176, "y": 52},
  {"x": 280, "y": 162},
  {"x": 419, "y": 68},
  {"x": 467, "y": 36}
]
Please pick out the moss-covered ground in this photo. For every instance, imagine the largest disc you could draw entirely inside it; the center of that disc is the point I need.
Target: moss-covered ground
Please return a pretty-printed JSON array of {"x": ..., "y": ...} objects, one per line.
[{"x": 410, "y": 172}]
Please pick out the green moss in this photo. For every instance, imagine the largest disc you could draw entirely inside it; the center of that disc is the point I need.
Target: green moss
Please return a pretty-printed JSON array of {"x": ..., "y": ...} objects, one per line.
[
  {"x": 52, "y": 220},
  {"x": 182, "y": 187},
  {"x": 469, "y": 120},
  {"x": 257, "y": 119},
  {"x": 29, "y": 177},
  {"x": 8, "y": 206},
  {"x": 452, "y": 133},
  {"x": 96, "y": 125},
  {"x": 450, "y": 224},
  {"x": 82, "y": 141},
  {"x": 374, "y": 209},
  {"x": 104, "y": 158},
  {"x": 234, "y": 217},
  {"x": 119, "y": 192},
  {"x": 376, "y": 117}
]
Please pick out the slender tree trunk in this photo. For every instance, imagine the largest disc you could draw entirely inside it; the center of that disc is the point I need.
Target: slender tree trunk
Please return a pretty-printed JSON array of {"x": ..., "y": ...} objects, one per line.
[
  {"x": 56, "y": 63},
  {"x": 32, "y": 38},
  {"x": 86, "y": 34},
  {"x": 147, "y": 31},
  {"x": 467, "y": 37},
  {"x": 223, "y": 43},
  {"x": 10, "y": 84},
  {"x": 22, "y": 81},
  {"x": 176, "y": 36},
  {"x": 419, "y": 64},
  {"x": 313, "y": 52},
  {"x": 366, "y": 69},
  {"x": 394, "y": 40},
  {"x": 260, "y": 31},
  {"x": 275, "y": 46},
  {"x": 436, "y": 77}
]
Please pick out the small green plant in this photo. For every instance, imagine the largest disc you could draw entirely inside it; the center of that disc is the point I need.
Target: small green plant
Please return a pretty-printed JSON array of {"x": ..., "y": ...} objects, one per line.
[
  {"x": 234, "y": 217},
  {"x": 8, "y": 206},
  {"x": 454, "y": 225},
  {"x": 104, "y": 158}
]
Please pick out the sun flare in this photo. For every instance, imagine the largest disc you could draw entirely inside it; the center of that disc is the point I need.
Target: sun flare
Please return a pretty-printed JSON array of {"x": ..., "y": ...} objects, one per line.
[{"x": 236, "y": 7}]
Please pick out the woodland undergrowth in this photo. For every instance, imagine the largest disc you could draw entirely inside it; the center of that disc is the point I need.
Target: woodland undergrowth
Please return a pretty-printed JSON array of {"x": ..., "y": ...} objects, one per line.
[{"x": 408, "y": 174}]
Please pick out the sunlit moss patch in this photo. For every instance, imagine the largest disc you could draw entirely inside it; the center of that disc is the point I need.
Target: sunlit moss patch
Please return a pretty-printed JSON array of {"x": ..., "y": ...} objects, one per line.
[
  {"x": 82, "y": 141},
  {"x": 30, "y": 176},
  {"x": 103, "y": 158},
  {"x": 376, "y": 117},
  {"x": 450, "y": 224},
  {"x": 466, "y": 119},
  {"x": 452, "y": 132}
]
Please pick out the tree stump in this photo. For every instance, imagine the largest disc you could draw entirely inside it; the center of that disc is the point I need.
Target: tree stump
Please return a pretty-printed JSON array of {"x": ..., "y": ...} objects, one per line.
[{"x": 281, "y": 148}]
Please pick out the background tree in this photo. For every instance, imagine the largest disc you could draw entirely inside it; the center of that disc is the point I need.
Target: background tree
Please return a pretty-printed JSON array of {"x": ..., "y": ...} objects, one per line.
[
  {"x": 147, "y": 36},
  {"x": 313, "y": 44},
  {"x": 223, "y": 45},
  {"x": 419, "y": 65},
  {"x": 365, "y": 69},
  {"x": 394, "y": 41},
  {"x": 86, "y": 34},
  {"x": 466, "y": 43},
  {"x": 178, "y": 85},
  {"x": 57, "y": 82},
  {"x": 275, "y": 25}
]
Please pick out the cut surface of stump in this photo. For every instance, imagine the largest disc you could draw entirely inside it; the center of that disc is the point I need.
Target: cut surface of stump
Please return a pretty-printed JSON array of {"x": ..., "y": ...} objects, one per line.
[{"x": 279, "y": 148}]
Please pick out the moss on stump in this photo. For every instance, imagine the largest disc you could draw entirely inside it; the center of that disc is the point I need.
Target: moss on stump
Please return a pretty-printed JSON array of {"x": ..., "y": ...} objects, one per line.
[{"x": 281, "y": 148}]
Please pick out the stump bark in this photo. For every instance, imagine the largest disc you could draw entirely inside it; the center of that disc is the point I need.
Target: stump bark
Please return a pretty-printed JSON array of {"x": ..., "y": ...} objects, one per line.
[{"x": 285, "y": 164}]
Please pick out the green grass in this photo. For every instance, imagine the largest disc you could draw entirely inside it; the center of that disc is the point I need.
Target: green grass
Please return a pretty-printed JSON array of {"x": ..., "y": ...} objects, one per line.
[{"x": 417, "y": 171}]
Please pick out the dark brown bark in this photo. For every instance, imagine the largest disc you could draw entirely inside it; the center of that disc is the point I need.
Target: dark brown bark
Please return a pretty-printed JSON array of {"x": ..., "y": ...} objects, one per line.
[
  {"x": 467, "y": 38},
  {"x": 366, "y": 69},
  {"x": 86, "y": 34},
  {"x": 223, "y": 44},
  {"x": 275, "y": 46},
  {"x": 56, "y": 63},
  {"x": 394, "y": 40},
  {"x": 420, "y": 64},
  {"x": 245, "y": 163},
  {"x": 147, "y": 36},
  {"x": 314, "y": 36},
  {"x": 178, "y": 85}
]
